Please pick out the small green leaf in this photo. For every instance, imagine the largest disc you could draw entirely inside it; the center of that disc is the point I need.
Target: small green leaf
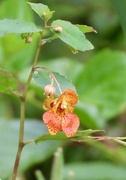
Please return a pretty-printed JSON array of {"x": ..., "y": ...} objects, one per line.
[
  {"x": 43, "y": 78},
  {"x": 42, "y": 10},
  {"x": 7, "y": 82},
  {"x": 74, "y": 51},
  {"x": 86, "y": 29},
  {"x": 8, "y": 26},
  {"x": 71, "y": 35},
  {"x": 62, "y": 136},
  {"x": 48, "y": 40},
  {"x": 48, "y": 15}
]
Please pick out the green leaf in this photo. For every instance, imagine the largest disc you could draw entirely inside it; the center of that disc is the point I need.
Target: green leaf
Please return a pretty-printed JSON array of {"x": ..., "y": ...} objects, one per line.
[
  {"x": 86, "y": 29},
  {"x": 48, "y": 40},
  {"x": 71, "y": 35},
  {"x": 73, "y": 50},
  {"x": 43, "y": 78},
  {"x": 16, "y": 26},
  {"x": 7, "y": 82},
  {"x": 95, "y": 171},
  {"x": 62, "y": 136},
  {"x": 102, "y": 83},
  {"x": 42, "y": 10},
  {"x": 32, "y": 153}
]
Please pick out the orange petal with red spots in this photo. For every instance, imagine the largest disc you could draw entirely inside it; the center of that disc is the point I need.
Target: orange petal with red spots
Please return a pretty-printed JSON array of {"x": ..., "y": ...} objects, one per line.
[
  {"x": 69, "y": 96},
  {"x": 52, "y": 122},
  {"x": 70, "y": 124}
]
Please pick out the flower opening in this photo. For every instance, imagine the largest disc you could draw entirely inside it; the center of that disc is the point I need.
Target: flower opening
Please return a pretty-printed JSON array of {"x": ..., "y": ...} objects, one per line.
[{"x": 59, "y": 115}]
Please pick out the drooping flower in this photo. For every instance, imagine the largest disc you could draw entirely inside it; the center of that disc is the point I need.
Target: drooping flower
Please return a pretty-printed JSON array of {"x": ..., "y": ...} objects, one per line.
[{"x": 59, "y": 115}]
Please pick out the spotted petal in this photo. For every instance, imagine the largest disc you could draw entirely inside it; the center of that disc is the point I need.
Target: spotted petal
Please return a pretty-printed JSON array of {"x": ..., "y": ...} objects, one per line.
[
  {"x": 70, "y": 124},
  {"x": 52, "y": 121},
  {"x": 69, "y": 96}
]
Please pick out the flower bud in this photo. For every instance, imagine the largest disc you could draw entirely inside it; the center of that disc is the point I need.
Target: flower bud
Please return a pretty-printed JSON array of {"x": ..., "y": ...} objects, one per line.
[
  {"x": 28, "y": 39},
  {"x": 49, "y": 90},
  {"x": 58, "y": 28}
]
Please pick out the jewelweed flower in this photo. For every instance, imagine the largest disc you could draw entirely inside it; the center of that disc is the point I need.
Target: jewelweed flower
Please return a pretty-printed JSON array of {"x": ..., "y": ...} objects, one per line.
[{"x": 59, "y": 115}]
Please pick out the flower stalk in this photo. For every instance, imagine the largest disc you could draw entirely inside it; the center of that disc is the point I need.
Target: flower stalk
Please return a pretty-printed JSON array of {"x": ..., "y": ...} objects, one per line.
[{"x": 22, "y": 112}]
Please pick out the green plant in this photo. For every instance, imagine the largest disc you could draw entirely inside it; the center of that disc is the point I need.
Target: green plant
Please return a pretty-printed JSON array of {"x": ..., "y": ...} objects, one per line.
[{"x": 73, "y": 36}]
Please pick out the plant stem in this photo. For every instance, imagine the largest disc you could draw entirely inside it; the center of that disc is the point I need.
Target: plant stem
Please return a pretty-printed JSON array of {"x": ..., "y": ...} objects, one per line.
[
  {"x": 33, "y": 66},
  {"x": 52, "y": 76},
  {"x": 22, "y": 112}
]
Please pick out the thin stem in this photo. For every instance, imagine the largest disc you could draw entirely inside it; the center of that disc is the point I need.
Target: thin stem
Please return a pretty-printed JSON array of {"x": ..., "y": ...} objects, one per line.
[
  {"x": 28, "y": 142},
  {"x": 16, "y": 93},
  {"x": 119, "y": 141},
  {"x": 100, "y": 138},
  {"x": 22, "y": 112},
  {"x": 57, "y": 83},
  {"x": 33, "y": 66},
  {"x": 52, "y": 76},
  {"x": 21, "y": 137}
]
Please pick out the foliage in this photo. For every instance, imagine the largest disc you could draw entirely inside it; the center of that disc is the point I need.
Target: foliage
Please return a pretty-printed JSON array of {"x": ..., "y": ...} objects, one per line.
[{"x": 97, "y": 76}]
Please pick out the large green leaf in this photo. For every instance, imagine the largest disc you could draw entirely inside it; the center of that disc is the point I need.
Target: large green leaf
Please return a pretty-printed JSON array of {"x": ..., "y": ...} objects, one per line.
[
  {"x": 71, "y": 35},
  {"x": 42, "y": 10},
  {"x": 32, "y": 153},
  {"x": 103, "y": 84},
  {"x": 16, "y": 26},
  {"x": 43, "y": 78},
  {"x": 95, "y": 171},
  {"x": 7, "y": 82}
]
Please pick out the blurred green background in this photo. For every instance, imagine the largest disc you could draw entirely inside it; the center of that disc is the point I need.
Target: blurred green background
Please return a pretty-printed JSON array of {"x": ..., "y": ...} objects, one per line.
[{"x": 100, "y": 79}]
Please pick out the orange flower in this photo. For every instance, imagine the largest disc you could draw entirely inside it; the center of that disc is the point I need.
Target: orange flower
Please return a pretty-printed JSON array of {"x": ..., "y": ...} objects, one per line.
[{"x": 59, "y": 115}]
